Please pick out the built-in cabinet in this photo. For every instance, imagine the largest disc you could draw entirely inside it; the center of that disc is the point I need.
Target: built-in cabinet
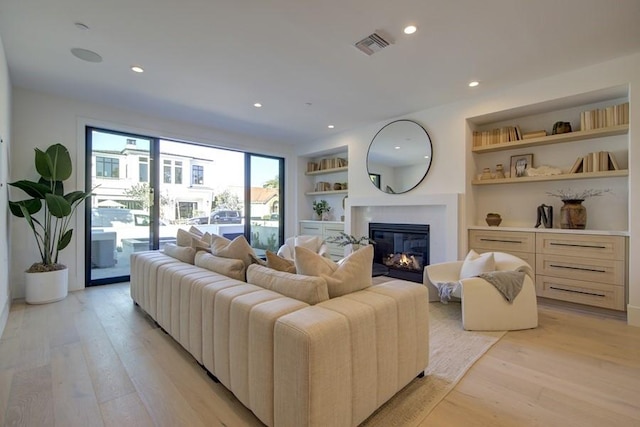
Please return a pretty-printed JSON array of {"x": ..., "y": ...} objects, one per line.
[
  {"x": 325, "y": 177},
  {"x": 325, "y": 229},
  {"x": 584, "y": 268}
]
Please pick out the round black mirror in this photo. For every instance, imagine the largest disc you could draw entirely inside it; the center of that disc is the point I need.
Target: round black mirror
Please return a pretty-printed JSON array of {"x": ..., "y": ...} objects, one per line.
[{"x": 399, "y": 156}]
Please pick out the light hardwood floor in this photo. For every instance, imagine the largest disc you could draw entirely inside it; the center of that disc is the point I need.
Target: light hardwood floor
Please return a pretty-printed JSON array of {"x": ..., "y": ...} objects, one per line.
[{"x": 95, "y": 359}]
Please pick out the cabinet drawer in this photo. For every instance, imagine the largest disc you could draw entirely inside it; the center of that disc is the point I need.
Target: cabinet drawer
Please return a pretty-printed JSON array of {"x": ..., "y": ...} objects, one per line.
[
  {"x": 311, "y": 229},
  {"x": 331, "y": 230},
  {"x": 529, "y": 257},
  {"x": 589, "y": 269},
  {"x": 589, "y": 293},
  {"x": 502, "y": 241},
  {"x": 584, "y": 245}
]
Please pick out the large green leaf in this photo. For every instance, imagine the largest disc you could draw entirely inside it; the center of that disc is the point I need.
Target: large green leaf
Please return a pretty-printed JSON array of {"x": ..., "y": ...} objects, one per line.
[
  {"x": 58, "y": 206},
  {"x": 56, "y": 186},
  {"x": 44, "y": 165},
  {"x": 32, "y": 206},
  {"x": 76, "y": 197},
  {"x": 61, "y": 162},
  {"x": 33, "y": 189},
  {"x": 65, "y": 239}
]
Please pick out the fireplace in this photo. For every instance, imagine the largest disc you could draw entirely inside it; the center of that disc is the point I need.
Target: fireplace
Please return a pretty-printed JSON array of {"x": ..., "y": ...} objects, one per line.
[{"x": 401, "y": 250}]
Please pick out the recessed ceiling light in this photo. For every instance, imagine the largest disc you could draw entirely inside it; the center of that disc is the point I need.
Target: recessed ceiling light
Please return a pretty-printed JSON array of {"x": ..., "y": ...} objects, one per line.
[
  {"x": 410, "y": 29},
  {"x": 331, "y": 126},
  {"x": 137, "y": 69},
  {"x": 474, "y": 83},
  {"x": 257, "y": 105},
  {"x": 86, "y": 55},
  {"x": 397, "y": 147}
]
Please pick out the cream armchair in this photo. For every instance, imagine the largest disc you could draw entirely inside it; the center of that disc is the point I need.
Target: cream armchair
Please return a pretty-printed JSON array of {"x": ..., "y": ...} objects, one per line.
[
  {"x": 313, "y": 243},
  {"x": 483, "y": 307}
]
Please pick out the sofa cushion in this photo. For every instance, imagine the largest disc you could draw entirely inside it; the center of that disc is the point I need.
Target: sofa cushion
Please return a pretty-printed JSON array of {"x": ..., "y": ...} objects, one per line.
[
  {"x": 182, "y": 253},
  {"x": 309, "y": 289},
  {"x": 475, "y": 264},
  {"x": 237, "y": 248},
  {"x": 233, "y": 268},
  {"x": 350, "y": 274}
]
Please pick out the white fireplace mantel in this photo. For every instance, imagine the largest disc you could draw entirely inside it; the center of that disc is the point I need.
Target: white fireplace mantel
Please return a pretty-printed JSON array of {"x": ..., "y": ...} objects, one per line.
[{"x": 440, "y": 211}]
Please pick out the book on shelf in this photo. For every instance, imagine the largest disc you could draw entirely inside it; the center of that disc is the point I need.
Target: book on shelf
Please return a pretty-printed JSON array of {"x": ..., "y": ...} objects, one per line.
[
  {"x": 496, "y": 136},
  {"x": 613, "y": 165},
  {"x": 613, "y": 115},
  {"x": 596, "y": 161},
  {"x": 577, "y": 166}
]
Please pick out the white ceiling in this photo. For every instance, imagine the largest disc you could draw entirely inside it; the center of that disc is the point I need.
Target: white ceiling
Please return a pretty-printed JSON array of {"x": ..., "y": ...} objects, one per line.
[{"x": 208, "y": 61}]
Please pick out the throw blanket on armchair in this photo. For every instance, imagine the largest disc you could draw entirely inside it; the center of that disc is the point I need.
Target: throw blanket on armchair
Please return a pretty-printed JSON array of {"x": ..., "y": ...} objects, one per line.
[{"x": 508, "y": 283}]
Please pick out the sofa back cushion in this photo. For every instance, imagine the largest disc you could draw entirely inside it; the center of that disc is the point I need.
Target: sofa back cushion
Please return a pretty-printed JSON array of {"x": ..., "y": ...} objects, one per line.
[
  {"x": 233, "y": 268},
  {"x": 311, "y": 290},
  {"x": 185, "y": 254},
  {"x": 350, "y": 274}
]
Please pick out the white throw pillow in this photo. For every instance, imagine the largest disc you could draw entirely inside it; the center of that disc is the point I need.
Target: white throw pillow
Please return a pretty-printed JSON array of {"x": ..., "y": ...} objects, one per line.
[
  {"x": 475, "y": 264},
  {"x": 353, "y": 273}
]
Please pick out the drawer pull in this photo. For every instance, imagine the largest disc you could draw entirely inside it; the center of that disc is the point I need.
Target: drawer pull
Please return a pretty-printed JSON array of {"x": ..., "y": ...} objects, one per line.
[
  {"x": 500, "y": 241},
  {"x": 577, "y": 245},
  {"x": 577, "y": 292},
  {"x": 577, "y": 268}
]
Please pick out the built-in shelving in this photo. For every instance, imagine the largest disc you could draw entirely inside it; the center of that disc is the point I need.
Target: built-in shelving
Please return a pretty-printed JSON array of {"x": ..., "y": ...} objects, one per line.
[
  {"x": 566, "y": 176},
  {"x": 554, "y": 139},
  {"x": 326, "y": 171},
  {"x": 321, "y": 193}
]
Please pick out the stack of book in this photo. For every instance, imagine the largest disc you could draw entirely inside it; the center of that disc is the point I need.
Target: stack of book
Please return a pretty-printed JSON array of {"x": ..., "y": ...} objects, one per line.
[
  {"x": 613, "y": 115},
  {"x": 496, "y": 136},
  {"x": 595, "y": 162}
]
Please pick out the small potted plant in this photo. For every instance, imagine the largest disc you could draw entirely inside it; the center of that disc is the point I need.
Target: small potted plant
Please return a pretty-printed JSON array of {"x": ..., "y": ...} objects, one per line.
[
  {"x": 322, "y": 209},
  {"x": 344, "y": 239},
  {"x": 48, "y": 213}
]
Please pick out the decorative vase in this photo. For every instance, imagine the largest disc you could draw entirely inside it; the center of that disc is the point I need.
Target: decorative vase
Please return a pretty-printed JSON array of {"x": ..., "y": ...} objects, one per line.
[
  {"x": 573, "y": 215},
  {"x": 45, "y": 287},
  {"x": 324, "y": 216},
  {"x": 493, "y": 219}
]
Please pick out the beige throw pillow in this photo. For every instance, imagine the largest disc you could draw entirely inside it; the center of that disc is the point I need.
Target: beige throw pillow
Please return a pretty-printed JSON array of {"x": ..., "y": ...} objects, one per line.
[
  {"x": 281, "y": 264},
  {"x": 185, "y": 238},
  {"x": 233, "y": 268},
  {"x": 184, "y": 254},
  {"x": 311, "y": 290},
  {"x": 237, "y": 248},
  {"x": 353, "y": 273},
  {"x": 475, "y": 264}
]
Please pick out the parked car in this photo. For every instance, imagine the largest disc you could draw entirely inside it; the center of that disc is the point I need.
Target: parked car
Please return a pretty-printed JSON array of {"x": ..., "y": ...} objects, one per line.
[
  {"x": 218, "y": 217},
  {"x": 113, "y": 217}
]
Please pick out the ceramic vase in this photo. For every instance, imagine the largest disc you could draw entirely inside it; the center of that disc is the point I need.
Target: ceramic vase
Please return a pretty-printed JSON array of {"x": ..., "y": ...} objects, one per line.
[{"x": 573, "y": 215}]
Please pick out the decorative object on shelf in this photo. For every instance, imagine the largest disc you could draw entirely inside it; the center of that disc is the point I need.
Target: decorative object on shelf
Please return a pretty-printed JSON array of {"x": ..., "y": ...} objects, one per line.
[
  {"x": 337, "y": 186},
  {"x": 545, "y": 216},
  {"x": 543, "y": 171},
  {"x": 520, "y": 164},
  {"x": 493, "y": 219},
  {"x": 344, "y": 239},
  {"x": 486, "y": 173},
  {"x": 47, "y": 280},
  {"x": 561, "y": 127},
  {"x": 573, "y": 215},
  {"x": 499, "y": 171},
  {"x": 322, "y": 209}
]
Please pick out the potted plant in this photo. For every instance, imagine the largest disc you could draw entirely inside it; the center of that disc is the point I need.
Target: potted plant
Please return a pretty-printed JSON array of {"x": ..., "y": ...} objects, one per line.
[
  {"x": 47, "y": 280},
  {"x": 321, "y": 208},
  {"x": 344, "y": 239}
]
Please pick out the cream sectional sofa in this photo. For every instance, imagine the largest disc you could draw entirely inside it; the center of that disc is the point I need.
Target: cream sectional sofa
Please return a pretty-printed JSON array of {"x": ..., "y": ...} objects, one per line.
[{"x": 292, "y": 364}]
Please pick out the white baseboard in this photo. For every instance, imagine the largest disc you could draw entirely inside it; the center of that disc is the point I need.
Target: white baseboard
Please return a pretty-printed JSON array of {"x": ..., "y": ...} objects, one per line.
[
  {"x": 633, "y": 315},
  {"x": 4, "y": 315}
]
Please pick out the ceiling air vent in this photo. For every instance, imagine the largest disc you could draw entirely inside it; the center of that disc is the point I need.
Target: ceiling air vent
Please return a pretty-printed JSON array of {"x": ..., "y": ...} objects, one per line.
[{"x": 374, "y": 43}]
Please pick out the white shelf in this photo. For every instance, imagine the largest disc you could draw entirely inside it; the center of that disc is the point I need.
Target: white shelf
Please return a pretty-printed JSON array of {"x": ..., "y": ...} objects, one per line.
[
  {"x": 327, "y": 171},
  {"x": 325, "y": 193},
  {"x": 563, "y": 177},
  {"x": 551, "y": 230},
  {"x": 554, "y": 139}
]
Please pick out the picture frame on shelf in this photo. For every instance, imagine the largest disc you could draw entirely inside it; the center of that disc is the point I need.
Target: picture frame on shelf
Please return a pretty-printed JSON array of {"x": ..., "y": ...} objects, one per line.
[{"x": 519, "y": 165}]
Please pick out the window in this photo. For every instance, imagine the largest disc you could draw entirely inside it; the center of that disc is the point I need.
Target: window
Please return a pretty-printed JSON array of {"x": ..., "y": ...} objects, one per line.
[
  {"x": 167, "y": 172},
  {"x": 107, "y": 167},
  {"x": 197, "y": 173},
  {"x": 143, "y": 169},
  {"x": 178, "y": 172}
]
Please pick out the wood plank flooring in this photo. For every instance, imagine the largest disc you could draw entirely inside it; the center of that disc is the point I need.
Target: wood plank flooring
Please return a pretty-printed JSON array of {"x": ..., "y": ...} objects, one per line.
[{"x": 95, "y": 359}]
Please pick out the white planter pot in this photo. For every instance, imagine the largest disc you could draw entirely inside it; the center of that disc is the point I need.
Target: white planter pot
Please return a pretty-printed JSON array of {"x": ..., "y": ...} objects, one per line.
[{"x": 50, "y": 286}]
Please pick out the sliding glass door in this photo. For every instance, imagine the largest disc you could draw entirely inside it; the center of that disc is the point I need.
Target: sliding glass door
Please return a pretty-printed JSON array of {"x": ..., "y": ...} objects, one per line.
[{"x": 148, "y": 188}]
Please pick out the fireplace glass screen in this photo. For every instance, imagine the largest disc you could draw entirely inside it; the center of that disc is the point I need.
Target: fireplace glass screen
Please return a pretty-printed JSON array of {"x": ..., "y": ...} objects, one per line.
[{"x": 401, "y": 250}]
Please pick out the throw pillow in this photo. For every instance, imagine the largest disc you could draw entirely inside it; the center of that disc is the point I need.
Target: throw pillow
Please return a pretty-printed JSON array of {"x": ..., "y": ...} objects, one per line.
[
  {"x": 184, "y": 238},
  {"x": 311, "y": 290},
  {"x": 281, "y": 264},
  {"x": 312, "y": 243},
  {"x": 237, "y": 248},
  {"x": 181, "y": 253},
  {"x": 353, "y": 273},
  {"x": 475, "y": 264},
  {"x": 233, "y": 268},
  {"x": 195, "y": 230}
]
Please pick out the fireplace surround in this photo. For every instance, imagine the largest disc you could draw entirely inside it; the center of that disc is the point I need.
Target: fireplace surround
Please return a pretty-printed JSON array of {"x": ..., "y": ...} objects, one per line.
[{"x": 401, "y": 250}]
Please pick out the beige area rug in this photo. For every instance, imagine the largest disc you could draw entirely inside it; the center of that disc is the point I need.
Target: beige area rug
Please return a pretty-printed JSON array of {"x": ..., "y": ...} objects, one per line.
[{"x": 452, "y": 352}]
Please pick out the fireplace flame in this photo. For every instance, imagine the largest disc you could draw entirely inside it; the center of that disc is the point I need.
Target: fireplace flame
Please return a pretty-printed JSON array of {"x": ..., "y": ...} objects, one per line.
[{"x": 404, "y": 261}]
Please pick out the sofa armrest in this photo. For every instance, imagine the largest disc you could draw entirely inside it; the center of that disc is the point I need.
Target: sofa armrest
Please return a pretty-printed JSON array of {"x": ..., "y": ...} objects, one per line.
[{"x": 350, "y": 354}]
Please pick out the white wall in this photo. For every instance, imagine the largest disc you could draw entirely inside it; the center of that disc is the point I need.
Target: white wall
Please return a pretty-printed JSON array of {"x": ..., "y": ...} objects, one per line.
[
  {"x": 41, "y": 119},
  {"x": 452, "y": 166},
  {"x": 5, "y": 122}
]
